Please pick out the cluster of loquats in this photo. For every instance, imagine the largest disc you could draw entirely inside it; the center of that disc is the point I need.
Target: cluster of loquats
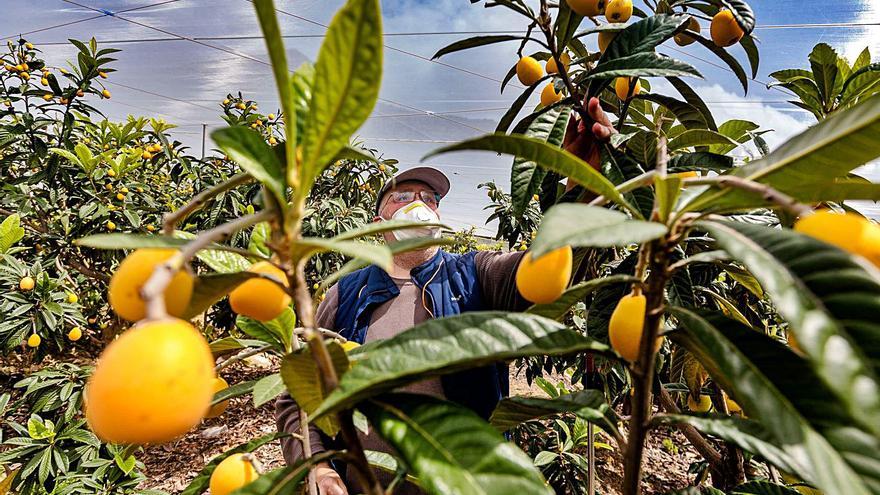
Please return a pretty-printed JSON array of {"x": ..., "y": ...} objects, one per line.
[
  {"x": 27, "y": 284},
  {"x": 725, "y": 31},
  {"x": 157, "y": 380}
]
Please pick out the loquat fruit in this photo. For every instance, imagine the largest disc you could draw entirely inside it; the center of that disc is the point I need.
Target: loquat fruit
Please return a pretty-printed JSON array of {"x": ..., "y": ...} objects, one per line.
[
  {"x": 134, "y": 271},
  {"x": 528, "y": 71},
  {"x": 151, "y": 385},
  {"x": 259, "y": 298},
  {"x": 544, "y": 279}
]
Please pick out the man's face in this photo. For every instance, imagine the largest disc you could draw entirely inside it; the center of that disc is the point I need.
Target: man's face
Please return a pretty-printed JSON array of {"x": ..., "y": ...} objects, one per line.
[{"x": 393, "y": 200}]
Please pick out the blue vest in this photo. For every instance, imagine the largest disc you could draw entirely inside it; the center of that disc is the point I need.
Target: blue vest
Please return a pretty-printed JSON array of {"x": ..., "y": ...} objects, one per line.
[{"x": 451, "y": 287}]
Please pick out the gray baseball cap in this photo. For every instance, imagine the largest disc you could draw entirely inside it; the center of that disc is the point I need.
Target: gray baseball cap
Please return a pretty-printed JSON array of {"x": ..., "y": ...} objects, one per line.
[{"x": 437, "y": 180}]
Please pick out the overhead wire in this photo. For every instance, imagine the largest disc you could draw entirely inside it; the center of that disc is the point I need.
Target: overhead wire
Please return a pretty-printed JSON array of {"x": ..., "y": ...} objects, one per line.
[
  {"x": 103, "y": 14},
  {"x": 263, "y": 62},
  {"x": 411, "y": 33}
]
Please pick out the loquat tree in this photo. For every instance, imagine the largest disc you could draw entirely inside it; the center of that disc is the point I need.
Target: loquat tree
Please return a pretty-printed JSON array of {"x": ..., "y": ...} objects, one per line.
[{"x": 661, "y": 196}]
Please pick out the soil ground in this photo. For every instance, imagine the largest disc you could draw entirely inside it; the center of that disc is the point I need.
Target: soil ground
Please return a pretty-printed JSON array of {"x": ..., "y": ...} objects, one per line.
[{"x": 173, "y": 466}]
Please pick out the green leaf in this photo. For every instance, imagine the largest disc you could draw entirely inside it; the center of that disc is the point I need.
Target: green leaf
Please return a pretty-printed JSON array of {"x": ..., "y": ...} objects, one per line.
[
  {"x": 233, "y": 391},
  {"x": 738, "y": 131},
  {"x": 699, "y": 137},
  {"x": 709, "y": 339},
  {"x": 830, "y": 149},
  {"x": 742, "y": 12},
  {"x": 860, "y": 81},
  {"x": 450, "y": 449},
  {"x": 751, "y": 48},
  {"x": 447, "y": 345},
  {"x": 547, "y": 156},
  {"x": 127, "y": 464},
  {"x": 227, "y": 344},
  {"x": 11, "y": 232},
  {"x": 278, "y": 331},
  {"x": 347, "y": 75},
  {"x": 474, "y": 42},
  {"x": 267, "y": 388},
  {"x": 689, "y": 116},
  {"x": 589, "y": 405},
  {"x": 198, "y": 485},
  {"x": 727, "y": 58},
  {"x": 763, "y": 488},
  {"x": 517, "y": 105},
  {"x": 275, "y": 47},
  {"x": 525, "y": 176},
  {"x": 575, "y": 294},
  {"x": 641, "y": 37},
  {"x": 130, "y": 241},
  {"x": 579, "y": 225},
  {"x": 372, "y": 253},
  {"x": 303, "y": 380},
  {"x": 259, "y": 235},
  {"x": 247, "y": 148},
  {"x": 643, "y": 65},
  {"x": 823, "y": 62},
  {"x": 395, "y": 247},
  {"x": 806, "y": 279},
  {"x": 567, "y": 22},
  {"x": 211, "y": 288},
  {"x": 694, "y": 100},
  {"x": 700, "y": 160}
]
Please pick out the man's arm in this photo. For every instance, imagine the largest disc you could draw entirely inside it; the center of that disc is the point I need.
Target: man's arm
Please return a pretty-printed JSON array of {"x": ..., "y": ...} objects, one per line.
[
  {"x": 497, "y": 271},
  {"x": 287, "y": 416}
]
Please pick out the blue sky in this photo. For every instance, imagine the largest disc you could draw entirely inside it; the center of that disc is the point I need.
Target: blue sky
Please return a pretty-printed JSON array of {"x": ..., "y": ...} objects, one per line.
[{"x": 192, "y": 79}]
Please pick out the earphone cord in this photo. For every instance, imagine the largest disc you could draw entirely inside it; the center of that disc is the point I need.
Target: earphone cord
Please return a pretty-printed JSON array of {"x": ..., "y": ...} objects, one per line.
[{"x": 425, "y": 289}]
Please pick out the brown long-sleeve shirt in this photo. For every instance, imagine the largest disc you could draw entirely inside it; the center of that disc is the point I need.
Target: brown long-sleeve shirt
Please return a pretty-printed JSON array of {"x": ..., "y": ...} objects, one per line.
[{"x": 496, "y": 275}]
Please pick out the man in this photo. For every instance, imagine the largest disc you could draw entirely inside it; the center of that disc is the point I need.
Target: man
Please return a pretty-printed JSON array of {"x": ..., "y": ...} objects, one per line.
[{"x": 371, "y": 304}]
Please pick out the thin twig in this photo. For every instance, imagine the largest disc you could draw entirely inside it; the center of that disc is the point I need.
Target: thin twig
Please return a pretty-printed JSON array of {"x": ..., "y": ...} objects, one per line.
[
  {"x": 323, "y": 331},
  {"x": 642, "y": 180},
  {"x": 153, "y": 289},
  {"x": 173, "y": 218},
  {"x": 242, "y": 356}
]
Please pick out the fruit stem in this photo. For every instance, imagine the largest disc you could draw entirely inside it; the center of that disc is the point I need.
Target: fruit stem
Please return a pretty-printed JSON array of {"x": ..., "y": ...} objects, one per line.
[
  {"x": 171, "y": 219},
  {"x": 154, "y": 288},
  {"x": 556, "y": 54}
]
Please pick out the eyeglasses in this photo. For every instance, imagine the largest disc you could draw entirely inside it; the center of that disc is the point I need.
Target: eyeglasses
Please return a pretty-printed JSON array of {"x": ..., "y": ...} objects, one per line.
[{"x": 430, "y": 198}]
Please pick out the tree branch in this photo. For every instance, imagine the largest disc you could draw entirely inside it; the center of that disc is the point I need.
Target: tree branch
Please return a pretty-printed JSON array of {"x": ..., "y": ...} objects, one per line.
[
  {"x": 169, "y": 223},
  {"x": 766, "y": 192},
  {"x": 155, "y": 286}
]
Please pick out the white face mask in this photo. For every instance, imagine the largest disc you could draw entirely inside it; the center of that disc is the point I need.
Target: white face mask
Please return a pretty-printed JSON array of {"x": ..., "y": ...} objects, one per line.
[{"x": 416, "y": 211}]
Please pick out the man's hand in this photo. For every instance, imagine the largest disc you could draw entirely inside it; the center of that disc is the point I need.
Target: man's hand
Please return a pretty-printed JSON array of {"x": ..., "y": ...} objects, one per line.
[
  {"x": 582, "y": 138},
  {"x": 329, "y": 482}
]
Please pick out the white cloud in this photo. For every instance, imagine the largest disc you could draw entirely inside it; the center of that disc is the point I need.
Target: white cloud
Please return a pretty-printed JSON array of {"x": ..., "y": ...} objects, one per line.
[{"x": 865, "y": 36}]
